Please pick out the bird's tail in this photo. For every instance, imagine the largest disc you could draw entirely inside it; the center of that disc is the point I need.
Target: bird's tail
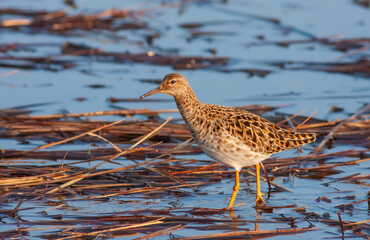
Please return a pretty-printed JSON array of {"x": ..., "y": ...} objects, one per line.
[{"x": 293, "y": 140}]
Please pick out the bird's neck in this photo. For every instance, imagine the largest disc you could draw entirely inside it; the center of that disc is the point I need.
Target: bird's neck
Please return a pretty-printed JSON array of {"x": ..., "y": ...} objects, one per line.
[{"x": 187, "y": 104}]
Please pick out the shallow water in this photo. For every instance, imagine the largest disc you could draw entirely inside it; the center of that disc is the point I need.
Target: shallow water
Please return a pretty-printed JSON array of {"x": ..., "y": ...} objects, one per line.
[{"x": 239, "y": 39}]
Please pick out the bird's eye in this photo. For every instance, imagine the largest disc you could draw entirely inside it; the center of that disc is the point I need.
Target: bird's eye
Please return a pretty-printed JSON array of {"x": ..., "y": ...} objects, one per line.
[{"x": 173, "y": 81}]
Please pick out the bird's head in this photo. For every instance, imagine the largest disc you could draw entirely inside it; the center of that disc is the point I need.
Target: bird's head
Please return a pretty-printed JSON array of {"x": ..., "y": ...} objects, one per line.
[{"x": 173, "y": 84}]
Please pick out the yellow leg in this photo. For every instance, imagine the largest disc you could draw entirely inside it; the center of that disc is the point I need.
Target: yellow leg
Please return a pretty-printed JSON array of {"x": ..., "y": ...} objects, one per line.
[
  {"x": 259, "y": 194},
  {"x": 235, "y": 189}
]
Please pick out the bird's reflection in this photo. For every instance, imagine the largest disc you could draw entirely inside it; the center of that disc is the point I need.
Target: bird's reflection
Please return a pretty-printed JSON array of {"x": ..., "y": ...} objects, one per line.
[{"x": 236, "y": 218}]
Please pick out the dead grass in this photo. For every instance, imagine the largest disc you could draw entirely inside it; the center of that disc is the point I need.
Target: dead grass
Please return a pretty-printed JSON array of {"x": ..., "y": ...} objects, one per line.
[{"x": 145, "y": 155}]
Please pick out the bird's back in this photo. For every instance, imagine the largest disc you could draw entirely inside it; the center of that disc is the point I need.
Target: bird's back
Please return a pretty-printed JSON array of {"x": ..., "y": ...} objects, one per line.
[{"x": 259, "y": 134}]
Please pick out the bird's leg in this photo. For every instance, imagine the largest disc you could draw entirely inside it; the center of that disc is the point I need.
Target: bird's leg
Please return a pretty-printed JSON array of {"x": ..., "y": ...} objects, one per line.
[
  {"x": 235, "y": 189},
  {"x": 259, "y": 194}
]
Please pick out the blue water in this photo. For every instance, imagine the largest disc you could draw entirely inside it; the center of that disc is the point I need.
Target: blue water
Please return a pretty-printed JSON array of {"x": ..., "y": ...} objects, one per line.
[{"x": 297, "y": 90}]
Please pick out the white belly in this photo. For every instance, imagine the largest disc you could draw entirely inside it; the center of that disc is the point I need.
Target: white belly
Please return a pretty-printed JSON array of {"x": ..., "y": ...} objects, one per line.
[{"x": 236, "y": 155}]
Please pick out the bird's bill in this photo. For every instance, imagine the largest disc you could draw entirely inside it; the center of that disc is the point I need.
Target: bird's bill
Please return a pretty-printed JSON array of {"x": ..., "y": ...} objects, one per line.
[{"x": 151, "y": 92}]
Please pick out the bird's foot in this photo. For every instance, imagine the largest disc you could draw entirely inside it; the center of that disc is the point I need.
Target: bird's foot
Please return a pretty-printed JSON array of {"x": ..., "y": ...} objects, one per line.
[{"x": 259, "y": 198}]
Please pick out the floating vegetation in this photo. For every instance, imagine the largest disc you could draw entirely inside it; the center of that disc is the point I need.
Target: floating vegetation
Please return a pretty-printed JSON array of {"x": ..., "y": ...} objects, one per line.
[
  {"x": 145, "y": 154},
  {"x": 78, "y": 173}
]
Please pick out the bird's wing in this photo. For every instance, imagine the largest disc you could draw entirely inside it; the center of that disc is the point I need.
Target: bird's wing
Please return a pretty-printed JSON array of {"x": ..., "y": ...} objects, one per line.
[{"x": 261, "y": 135}]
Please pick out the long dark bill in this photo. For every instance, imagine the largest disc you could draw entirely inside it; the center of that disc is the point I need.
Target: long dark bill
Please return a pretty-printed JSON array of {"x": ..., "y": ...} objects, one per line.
[{"x": 151, "y": 92}]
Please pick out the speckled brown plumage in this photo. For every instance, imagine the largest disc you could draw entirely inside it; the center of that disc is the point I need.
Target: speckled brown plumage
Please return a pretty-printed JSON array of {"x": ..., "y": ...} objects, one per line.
[
  {"x": 257, "y": 133},
  {"x": 230, "y": 135}
]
